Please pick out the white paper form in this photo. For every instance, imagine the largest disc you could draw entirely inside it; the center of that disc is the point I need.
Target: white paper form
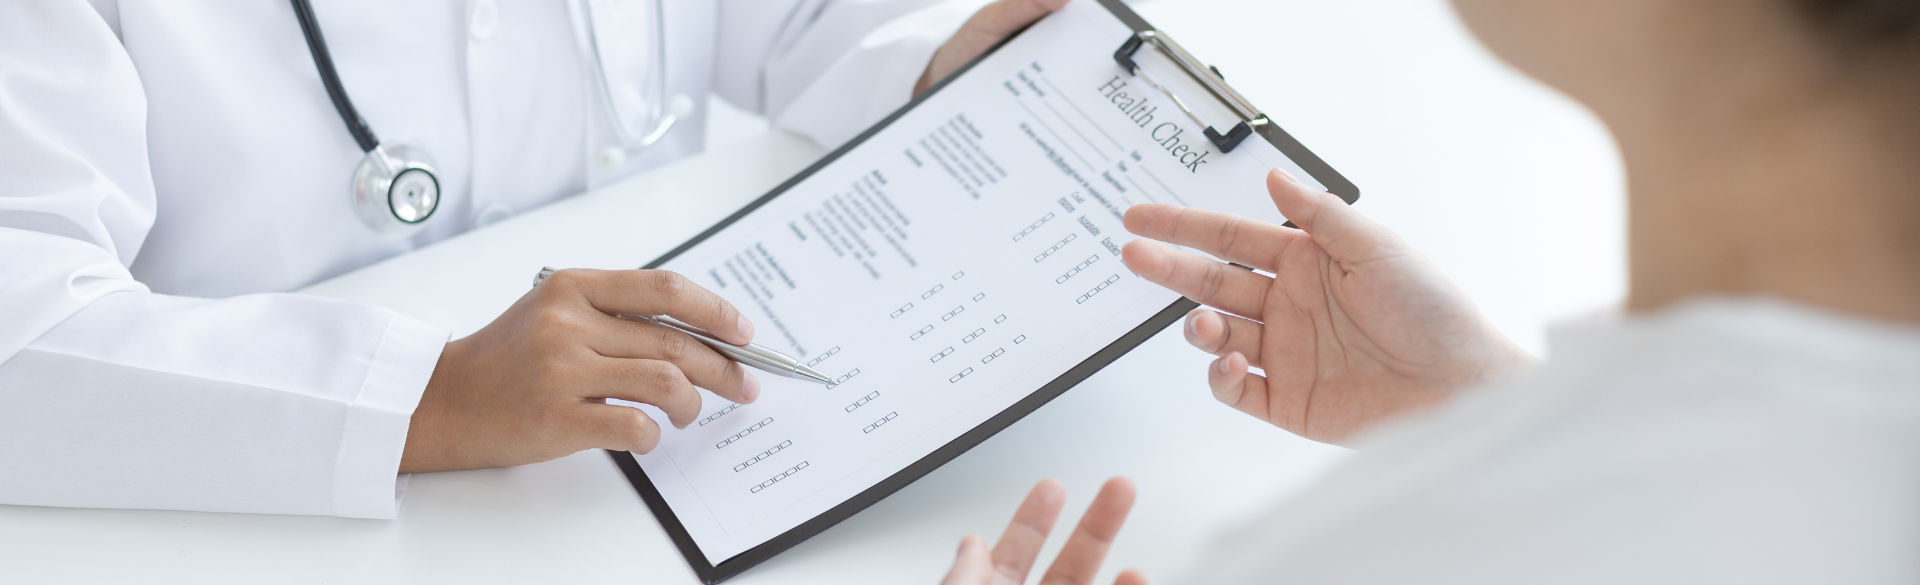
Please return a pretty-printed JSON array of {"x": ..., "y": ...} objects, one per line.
[{"x": 949, "y": 266}]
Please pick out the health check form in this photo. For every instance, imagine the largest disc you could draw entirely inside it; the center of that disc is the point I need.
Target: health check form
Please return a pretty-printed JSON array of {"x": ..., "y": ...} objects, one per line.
[{"x": 961, "y": 257}]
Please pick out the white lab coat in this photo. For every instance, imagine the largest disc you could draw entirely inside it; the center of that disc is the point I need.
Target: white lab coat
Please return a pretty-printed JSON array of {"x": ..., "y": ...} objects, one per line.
[
  {"x": 169, "y": 168},
  {"x": 1722, "y": 441}
]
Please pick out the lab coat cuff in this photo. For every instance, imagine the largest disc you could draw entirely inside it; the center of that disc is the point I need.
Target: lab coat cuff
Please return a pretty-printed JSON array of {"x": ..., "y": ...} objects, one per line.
[{"x": 367, "y": 483}]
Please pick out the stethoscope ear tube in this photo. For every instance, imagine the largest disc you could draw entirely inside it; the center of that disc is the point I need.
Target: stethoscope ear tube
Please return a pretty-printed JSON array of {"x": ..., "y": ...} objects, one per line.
[
  {"x": 678, "y": 109},
  {"x": 667, "y": 111}
]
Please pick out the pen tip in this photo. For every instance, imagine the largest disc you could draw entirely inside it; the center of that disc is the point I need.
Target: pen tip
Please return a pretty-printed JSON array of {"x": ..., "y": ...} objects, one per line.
[{"x": 812, "y": 374}]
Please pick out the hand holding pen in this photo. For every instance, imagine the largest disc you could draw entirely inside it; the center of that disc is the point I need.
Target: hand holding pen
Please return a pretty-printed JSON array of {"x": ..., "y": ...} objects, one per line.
[
  {"x": 757, "y": 356},
  {"x": 533, "y": 385}
]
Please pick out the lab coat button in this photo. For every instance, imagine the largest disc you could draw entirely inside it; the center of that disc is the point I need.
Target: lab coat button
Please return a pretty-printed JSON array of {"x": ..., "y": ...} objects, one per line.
[
  {"x": 485, "y": 17},
  {"x": 612, "y": 158}
]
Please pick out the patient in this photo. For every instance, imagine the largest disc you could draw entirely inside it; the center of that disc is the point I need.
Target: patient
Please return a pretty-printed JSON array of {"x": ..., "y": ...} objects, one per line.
[{"x": 1753, "y": 418}]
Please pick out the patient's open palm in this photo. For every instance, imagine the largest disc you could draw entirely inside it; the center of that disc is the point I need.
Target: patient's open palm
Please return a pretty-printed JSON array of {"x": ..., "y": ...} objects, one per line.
[{"x": 1354, "y": 326}]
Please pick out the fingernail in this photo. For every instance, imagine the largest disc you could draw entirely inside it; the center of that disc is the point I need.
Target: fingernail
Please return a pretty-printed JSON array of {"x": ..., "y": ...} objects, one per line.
[
  {"x": 1191, "y": 331},
  {"x": 1286, "y": 175},
  {"x": 749, "y": 386},
  {"x": 1220, "y": 365},
  {"x": 745, "y": 328}
]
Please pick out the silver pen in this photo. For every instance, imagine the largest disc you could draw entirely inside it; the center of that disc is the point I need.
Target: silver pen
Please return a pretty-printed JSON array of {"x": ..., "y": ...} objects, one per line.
[{"x": 754, "y": 355}]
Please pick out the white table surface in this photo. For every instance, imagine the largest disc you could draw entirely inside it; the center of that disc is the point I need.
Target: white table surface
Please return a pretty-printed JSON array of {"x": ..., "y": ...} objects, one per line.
[{"x": 1513, "y": 190}]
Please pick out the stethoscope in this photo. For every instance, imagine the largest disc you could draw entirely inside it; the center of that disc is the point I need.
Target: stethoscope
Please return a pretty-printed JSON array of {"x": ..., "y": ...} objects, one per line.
[{"x": 395, "y": 187}]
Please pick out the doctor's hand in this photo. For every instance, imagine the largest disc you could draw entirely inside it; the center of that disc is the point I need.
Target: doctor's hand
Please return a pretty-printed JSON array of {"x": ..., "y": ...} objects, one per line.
[
  {"x": 533, "y": 385},
  {"x": 988, "y": 27},
  {"x": 1012, "y": 558},
  {"x": 1354, "y": 327}
]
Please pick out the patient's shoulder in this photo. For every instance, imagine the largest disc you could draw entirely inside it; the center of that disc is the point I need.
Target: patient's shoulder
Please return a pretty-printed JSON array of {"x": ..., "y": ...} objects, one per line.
[{"x": 1747, "y": 440}]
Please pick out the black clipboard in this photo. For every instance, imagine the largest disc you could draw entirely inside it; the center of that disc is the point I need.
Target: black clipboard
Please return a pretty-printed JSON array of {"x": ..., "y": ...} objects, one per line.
[{"x": 1251, "y": 123}]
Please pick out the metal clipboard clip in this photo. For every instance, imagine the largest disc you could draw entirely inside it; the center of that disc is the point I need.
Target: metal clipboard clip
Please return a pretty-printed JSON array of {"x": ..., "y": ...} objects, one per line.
[{"x": 1206, "y": 76}]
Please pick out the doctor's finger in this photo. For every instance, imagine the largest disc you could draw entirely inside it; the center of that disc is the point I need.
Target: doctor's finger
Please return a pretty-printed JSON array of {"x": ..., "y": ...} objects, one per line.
[
  {"x": 702, "y": 365},
  {"x": 654, "y": 382},
  {"x": 1013, "y": 556},
  {"x": 1080, "y": 559},
  {"x": 1230, "y": 237},
  {"x": 1212, "y": 283},
  {"x": 982, "y": 31},
  {"x": 1221, "y": 334},
  {"x": 658, "y": 292},
  {"x": 618, "y": 428},
  {"x": 997, "y": 20}
]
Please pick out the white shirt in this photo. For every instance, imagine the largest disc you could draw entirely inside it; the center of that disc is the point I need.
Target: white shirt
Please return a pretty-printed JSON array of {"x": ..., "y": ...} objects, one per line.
[
  {"x": 155, "y": 154},
  {"x": 1723, "y": 441}
]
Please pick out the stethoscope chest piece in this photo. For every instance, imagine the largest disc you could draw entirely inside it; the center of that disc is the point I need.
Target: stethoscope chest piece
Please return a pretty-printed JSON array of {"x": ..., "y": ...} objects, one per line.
[{"x": 395, "y": 189}]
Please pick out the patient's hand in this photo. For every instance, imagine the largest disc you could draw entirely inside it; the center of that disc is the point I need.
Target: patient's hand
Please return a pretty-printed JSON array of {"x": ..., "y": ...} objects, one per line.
[
  {"x": 1356, "y": 326},
  {"x": 1079, "y": 560}
]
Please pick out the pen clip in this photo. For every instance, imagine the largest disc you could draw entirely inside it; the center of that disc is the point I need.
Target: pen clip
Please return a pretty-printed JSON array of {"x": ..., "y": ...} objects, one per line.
[
  {"x": 1207, "y": 76},
  {"x": 681, "y": 326},
  {"x": 670, "y": 322}
]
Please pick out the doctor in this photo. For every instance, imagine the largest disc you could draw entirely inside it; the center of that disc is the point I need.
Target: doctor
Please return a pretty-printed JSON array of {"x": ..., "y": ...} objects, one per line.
[{"x": 169, "y": 169}]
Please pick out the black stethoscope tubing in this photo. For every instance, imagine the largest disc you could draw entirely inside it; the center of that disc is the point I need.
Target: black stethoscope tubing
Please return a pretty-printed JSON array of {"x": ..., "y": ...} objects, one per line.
[
  {"x": 323, "y": 60},
  {"x": 394, "y": 189}
]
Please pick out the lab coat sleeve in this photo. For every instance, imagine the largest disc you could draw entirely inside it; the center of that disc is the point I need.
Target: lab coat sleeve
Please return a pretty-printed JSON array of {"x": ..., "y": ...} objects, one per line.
[
  {"x": 114, "y": 397},
  {"x": 829, "y": 69}
]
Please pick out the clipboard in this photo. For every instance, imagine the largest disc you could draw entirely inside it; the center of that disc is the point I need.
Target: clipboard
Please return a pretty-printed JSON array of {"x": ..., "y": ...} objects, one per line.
[{"x": 1250, "y": 122}]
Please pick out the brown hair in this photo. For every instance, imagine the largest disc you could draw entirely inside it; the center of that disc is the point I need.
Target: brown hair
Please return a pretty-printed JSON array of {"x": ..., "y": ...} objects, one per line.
[{"x": 1865, "y": 23}]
